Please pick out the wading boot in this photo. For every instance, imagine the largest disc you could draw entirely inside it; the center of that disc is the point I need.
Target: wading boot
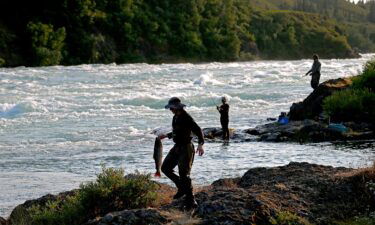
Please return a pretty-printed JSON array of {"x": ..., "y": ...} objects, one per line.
[
  {"x": 180, "y": 193},
  {"x": 190, "y": 202}
]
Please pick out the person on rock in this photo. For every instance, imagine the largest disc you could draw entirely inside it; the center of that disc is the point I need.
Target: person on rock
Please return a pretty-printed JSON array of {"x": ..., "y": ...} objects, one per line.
[
  {"x": 224, "y": 117},
  {"x": 315, "y": 72}
]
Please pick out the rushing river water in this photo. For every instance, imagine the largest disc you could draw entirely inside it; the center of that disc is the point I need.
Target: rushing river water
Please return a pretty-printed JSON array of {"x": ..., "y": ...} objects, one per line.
[{"x": 59, "y": 124}]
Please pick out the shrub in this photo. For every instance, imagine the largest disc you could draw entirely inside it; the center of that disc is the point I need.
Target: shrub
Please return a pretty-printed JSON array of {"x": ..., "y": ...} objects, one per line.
[
  {"x": 350, "y": 105},
  {"x": 367, "y": 78},
  {"x": 288, "y": 218},
  {"x": 109, "y": 192},
  {"x": 356, "y": 103}
]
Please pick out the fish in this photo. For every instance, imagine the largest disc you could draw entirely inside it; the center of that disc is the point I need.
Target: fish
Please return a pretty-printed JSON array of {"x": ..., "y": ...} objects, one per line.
[
  {"x": 161, "y": 131},
  {"x": 158, "y": 156}
]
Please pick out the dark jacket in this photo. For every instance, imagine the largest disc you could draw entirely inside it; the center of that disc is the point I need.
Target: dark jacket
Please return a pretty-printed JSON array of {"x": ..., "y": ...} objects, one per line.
[
  {"x": 224, "y": 112},
  {"x": 183, "y": 126},
  {"x": 315, "y": 69}
]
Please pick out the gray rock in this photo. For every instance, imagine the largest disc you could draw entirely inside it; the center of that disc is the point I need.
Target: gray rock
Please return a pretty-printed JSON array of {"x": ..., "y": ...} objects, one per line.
[{"x": 107, "y": 218}]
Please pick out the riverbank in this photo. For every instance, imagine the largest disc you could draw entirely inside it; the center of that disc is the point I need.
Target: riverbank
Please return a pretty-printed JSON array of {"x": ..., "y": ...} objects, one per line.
[
  {"x": 297, "y": 193},
  {"x": 308, "y": 122}
]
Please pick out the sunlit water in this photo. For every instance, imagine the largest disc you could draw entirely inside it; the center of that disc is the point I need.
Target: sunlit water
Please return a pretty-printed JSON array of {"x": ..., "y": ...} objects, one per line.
[{"x": 59, "y": 124}]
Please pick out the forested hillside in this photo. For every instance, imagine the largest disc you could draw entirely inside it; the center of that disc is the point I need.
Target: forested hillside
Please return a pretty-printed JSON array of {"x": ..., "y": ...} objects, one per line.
[
  {"x": 41, "y": 32},
  {"x": 357, "y": 19}
]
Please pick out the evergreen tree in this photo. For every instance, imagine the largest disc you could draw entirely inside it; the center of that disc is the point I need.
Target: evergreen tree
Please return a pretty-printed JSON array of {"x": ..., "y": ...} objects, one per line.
[{"x": 371, "y": 15}]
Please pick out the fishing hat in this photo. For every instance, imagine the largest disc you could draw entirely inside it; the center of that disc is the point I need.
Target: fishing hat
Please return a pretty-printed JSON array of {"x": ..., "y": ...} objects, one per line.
[{"x": 174, "y": 103}]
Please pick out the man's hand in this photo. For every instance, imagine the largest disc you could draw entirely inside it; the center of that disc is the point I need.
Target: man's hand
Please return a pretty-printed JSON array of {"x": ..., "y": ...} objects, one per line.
[
  {"x": 200, "y": 150},
  {"x": 217, "y": 107},
  {"x": 162, "y": 136}
]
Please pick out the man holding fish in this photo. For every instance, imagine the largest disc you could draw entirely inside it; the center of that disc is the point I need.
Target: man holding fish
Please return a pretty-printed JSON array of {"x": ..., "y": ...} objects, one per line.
[{"x": 182, "y": 153}]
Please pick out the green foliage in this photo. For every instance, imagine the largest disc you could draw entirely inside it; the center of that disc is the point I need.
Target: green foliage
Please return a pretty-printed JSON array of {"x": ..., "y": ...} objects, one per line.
[
  {"x": 288, "y": 218},
  {"x": 367, "y": 78},
  {"x": 276, "y": 35},
  {"x": 2, "y": 62},
  {"x": 350, "y": 105},
  {"x": 46, "y": 43},
  {"x": 109, "y": 192},
  {"x": 356, "y": 103},
  {"x": 105, "y": 31},
  {"x": 361, "y": 36},
  {"x": 356, "y": 18}
]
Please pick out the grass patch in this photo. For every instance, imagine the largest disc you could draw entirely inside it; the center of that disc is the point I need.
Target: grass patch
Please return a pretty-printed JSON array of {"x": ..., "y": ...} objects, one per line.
[
  {"x": 109, "y": 192},
  {"x": 288, "y": 218}
]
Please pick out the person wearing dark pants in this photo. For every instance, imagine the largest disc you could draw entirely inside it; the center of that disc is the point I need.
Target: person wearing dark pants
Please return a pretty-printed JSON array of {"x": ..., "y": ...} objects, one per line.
[
  {"x": 182, "y": 153},
  {"x": 315, "y": 72},
  {"x": 224, "y": 117}
]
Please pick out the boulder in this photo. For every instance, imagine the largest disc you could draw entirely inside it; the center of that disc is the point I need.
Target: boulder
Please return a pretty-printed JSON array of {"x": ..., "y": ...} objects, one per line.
[
  {"x": 312, "y": 192},
  {"x": 131, "y": 217},
  {"x": 214, "y": 134},
  {"x": 311, "y": 107},
  {"x": 20, "y": 214},
  {"x": 310, "y": 131}
]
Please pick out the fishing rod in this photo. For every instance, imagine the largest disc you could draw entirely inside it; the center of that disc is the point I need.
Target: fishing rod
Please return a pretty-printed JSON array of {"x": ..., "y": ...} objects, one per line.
[{"x": 213, "y": 102}]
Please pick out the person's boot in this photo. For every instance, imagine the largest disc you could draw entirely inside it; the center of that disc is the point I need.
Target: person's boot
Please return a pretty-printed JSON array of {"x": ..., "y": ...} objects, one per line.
[
  {"x": 190, "y": 202},
  {"x": 180, "y": 193}
]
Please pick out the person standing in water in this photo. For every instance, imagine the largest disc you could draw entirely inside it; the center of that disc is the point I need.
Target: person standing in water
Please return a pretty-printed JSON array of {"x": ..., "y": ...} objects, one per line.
[
  {"x": 315, "y": 72},
  {"x": 182, "y": 153},
  {"x": 224, "y": 117}
]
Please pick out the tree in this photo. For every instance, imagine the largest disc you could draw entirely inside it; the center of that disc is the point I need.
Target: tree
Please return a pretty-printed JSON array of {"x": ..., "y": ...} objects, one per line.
[{"x": 46, "y": 43}]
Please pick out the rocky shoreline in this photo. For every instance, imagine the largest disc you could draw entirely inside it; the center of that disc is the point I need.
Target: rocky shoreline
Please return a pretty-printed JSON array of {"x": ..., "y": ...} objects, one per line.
[
  {"x": 300, "y": 193},
  {"x": 307, "y": 124}
]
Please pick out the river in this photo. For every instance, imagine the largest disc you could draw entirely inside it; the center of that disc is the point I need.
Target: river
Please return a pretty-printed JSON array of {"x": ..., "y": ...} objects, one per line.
[{"x": 59, "y": 124}]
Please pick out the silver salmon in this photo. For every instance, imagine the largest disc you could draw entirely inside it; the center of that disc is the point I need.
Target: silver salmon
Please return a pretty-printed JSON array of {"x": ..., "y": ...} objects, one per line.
[{"x": 158, "y": 155}]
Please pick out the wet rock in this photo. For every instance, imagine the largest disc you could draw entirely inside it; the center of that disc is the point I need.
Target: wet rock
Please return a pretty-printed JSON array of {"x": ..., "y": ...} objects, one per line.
[
  {"x": 212, "y": 132},
  {"x": 131, "y": 217},
  {"x": 311, "y": 107},
  {"x": 308, "y": 131},
  {"x": 215, "y": 134}
]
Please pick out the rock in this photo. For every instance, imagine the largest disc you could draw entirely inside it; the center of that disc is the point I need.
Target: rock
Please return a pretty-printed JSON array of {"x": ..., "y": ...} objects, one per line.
[
  {"x": 314, "y": 193},
  {"x": 308, "y": 131},
  {"x": 311, "y": 107},
  {"x": 3, "y": 221},
  {"x": 20, "y": 214},
  {"x": 107, "y": 218},
  {"x": 131, "y": 217},
  {"x": 216, "y": 133}
]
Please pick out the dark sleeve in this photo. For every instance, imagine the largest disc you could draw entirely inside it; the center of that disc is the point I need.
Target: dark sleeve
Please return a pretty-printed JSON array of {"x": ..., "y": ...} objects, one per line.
[
  {"x": 316, "y": 67},
  {"x": 310, "y": 70},
  {"x": 196, "y": 130},
  {"x": 170, "y": 135}
]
